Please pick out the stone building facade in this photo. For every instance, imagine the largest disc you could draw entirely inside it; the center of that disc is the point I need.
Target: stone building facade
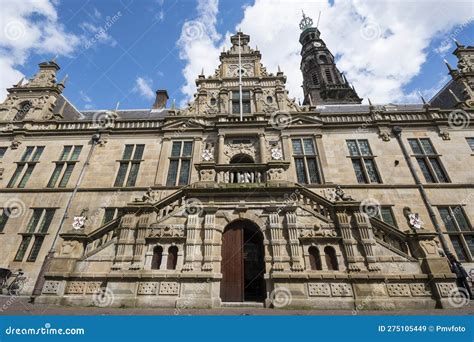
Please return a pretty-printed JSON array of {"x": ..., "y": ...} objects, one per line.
[{"x": 310, "y": 205}]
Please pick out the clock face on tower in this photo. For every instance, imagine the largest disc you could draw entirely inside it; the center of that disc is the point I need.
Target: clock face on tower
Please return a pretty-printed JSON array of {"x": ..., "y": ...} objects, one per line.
[{"x": 316, "y": 44}]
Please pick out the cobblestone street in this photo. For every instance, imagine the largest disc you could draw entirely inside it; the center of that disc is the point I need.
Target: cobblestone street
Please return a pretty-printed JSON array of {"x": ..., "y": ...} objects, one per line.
[{"x": 20, "y": 306}]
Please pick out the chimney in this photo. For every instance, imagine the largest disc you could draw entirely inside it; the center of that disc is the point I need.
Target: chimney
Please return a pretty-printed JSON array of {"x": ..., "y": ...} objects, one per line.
[{"x": 161, "y": 99}]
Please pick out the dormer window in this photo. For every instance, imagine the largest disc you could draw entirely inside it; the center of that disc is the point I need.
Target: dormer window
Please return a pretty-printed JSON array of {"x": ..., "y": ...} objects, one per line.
[
  {"x": 245, "y": 102},
  {"x": 24, "y": 109}
]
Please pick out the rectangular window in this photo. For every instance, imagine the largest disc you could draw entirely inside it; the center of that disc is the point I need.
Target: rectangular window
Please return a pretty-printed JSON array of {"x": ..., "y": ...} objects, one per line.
[
  {"x": 180, "y": 163},
  {"x": 25, "y": 166},
  {"x": 304, "y": 152},
  {"x": 470, "y": 142},
  {"x": 111, "y": 214},
  {"x": 129, "y": 165},
  {"x": 64, "y": 166},
  {"x": 38, "y": 226},
  {"x": 363, "y": 161},
  {"x": 459, "y": 230},
  {"x": 386, "y": 215},
  {"x": 4, "y": 218},
  {"x": 245, "y": 102},
  {"x": 3, "y": 150},
  {"x": 428, "y": 161}
]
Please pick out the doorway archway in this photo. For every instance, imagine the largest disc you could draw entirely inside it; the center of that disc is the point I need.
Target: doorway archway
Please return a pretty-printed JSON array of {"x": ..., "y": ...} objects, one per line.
[{"x": 243, "y": 265}]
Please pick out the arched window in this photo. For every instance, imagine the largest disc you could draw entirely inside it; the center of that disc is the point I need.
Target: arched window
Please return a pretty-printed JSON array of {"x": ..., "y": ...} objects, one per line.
[
  {"x": 24, "y": 108},
  {"x": 314, "y": 258},
  {"x": 323, "y": 59},
  {"x": 157, "y": 256},
  {"x": 331, "y": 259},
  {"x": 172, "y": 258}
]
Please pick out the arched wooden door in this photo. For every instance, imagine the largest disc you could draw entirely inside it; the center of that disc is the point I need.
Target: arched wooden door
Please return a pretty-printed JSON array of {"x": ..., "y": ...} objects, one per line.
[{"x": 243, "y": 264}]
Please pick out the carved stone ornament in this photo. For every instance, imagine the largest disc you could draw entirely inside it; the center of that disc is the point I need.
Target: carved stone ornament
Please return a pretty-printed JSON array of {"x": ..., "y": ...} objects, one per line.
[
  {"x": 148, "y": 197},
  {"x": 276, "y": 153},
  {"x": 167, "y": 231},
  {"x": 415, "y": 221},
  {"x": 208, "y": 154},
  {"x": 79, "y": 222},
  {"x": 444, "y": 135},
  {"x": 341, "y": 196},
  {"x": 15, "y": 144}
]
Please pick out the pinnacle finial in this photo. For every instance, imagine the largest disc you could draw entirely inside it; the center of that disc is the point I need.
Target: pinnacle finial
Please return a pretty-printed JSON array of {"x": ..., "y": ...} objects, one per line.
[
  {"x": 306, "y": 22},
  {"x": 202, "y": 72},
  {"x": 20, "y": 82},
  {"x": 457, "y": 43},
  {"x": 448, "y": 65},
  {"x": 63, "y": 81}
]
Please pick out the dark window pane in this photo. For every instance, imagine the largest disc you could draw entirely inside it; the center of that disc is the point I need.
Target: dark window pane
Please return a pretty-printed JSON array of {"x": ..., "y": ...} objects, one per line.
[
  {"x": 187, "y": 149},
  {"x": 245, "y": 95},
  {"x": 34, "y": 220},
  {"x": 436, "y": 165},
  {"x": 352, "y": 145},
  {"x": 235, "y": 107},
  {"x": 157, "y": 256},
  {"x": 447, "y": 219},
  {"x": 36, "y": 248},
  {"x": 470, "y": 243},
  {"x": 300, "y": 171},
  {"x": 314, "y": 258},
  {"x": 427, "y": 147},
  {"x": 55, "y": 175},
  {"x": 26, "y": 176},
  {"x": 172, "y": 173},
  {"x": 172, "y": 258},
  {"x": 415, "y": 146},
  {"x": 109, "y": 214},
  {"x": 46, "y": 222},
  {"x": 364, "y": 148},
  {"x": 461, "y": 219},
  {"x": 458, "y": 247},
  {"x": 127, "y": 153},
  {"x": 176, "y": 149},
  {"x": 66, "y": 176},
  {"x": 2, "y": 152},
  {"x": 138, "y": 152},
  {"x": 297, "y": 147},
  {"x": 184, "y": 172},
  {"x": 15, "y": 176},
  {"x": 313, "y": 171},
  {"x": 23, "y": 247},
  {"x": 76, "y": 153},
  {"x": 4, "y": 218},
  {"x": 356, "y": 163},
  {"x": 371, "y": 171},
  {"x": 65, "y": 152},
  {"x": 37, "y": 154},
  {"x": 121, "y": 174},
  {"x": 27, "y": 154},
  {"x": 470, "y": 141},
  {"x": 424, "y": 169},
  {"x": 246, "y": 107},
  {"x": 309, "y": 147},
  {"x": 331, "y": 259},
  {"x": 132, "y": 176},
  {"x": 387, "y": 216}
]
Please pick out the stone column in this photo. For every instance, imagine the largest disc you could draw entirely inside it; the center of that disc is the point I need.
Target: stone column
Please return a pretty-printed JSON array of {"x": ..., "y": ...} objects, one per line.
[
  {"x": 286, "y": 146},
  {"x": 321, "y": 155},
  {"x": 294, "y": 242},
  {"x": 196, "y": 159},
  {"x": 348, "y": 241},
  {"x": 220, "y": 149},
  {"x": 125, "y": 241},
  {"x": 262, "y": 148},
  {"x": 163, "y": 161},
  {"x": 209, "y": 228},
  {"x": 276, "y": 241},
  {"x": 139, "y": 249},
  {"x": 367, "y": 239},
  {"x": 192, "y": 227}
]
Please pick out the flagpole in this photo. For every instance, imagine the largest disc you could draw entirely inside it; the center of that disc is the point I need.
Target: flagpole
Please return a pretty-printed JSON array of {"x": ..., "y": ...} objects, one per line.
[{"x": 240, "y": 80}]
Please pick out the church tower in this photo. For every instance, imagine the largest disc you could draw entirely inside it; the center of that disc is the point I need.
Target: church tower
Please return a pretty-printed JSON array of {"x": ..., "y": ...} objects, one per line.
[{"x": 322, "y": 81}]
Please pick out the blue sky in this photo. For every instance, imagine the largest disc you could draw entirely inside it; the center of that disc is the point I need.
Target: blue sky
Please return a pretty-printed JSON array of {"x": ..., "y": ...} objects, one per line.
[{"x": 144, "y": 44}]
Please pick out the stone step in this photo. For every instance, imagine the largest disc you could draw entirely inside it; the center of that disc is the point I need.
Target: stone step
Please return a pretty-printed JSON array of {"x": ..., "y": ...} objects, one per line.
[{"x": 243, "y": 304}]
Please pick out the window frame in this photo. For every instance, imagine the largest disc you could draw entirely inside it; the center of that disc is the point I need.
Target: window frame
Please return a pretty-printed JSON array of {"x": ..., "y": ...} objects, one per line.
[
  {"x": 25, "y": 166},
  {"x": 67, "y": 160},
  {"x": 235, "y": 100},
  {"x": 129, "y": 179},
  {"x": 178, "y": 159},
  {"x": 458, "y": 233},
  {"x": 361, "y": 159},
  {"x": 427, "y": 158},
  {"x": 304, "y": 157}
]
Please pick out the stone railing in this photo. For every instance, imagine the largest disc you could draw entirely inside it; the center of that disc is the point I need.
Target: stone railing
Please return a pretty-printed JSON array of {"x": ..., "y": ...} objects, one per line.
[{"x": 242, "y": 173}]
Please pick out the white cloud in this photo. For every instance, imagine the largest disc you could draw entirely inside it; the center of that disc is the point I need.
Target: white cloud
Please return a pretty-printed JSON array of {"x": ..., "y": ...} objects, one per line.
[
  {"x": 143, "y": 87},
  {"x": 380, "y": 45},
  {"x": 26, "y": 27}
]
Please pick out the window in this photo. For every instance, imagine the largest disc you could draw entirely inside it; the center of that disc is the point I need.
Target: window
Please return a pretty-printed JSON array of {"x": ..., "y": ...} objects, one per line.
[
  {"x": 36, "y": 230},
  {"x": 3, "y": 150},
  {"x": 306, "y": 164},
  {"x": 129, "y": 166},
  {"x": 24, "y": 109},
  {"x": 111, "y": 214},
  {"x": 314, "y": 78},
  {"x": 64, "y": 166},
  {"x": 386, "y": 215},
  {"x": 459, "y": 231},
  {"x": 4, "y": 216},
  {"x": 314, "y": 258},
  {"x": 245, "y": 102},
  {"x": 180, "y": 163},
  {"x": 428, "y": 161},
  {"x": 172, "y": 258},
  {"x": 25, "y": 166},
  {"x": 331, "y": 259},
  {"x": 328, "y": 76},
  {"x": 470, "y": 141},
  {"x": 363, "y": 162},
  {"x": 157, "y": 257}
]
